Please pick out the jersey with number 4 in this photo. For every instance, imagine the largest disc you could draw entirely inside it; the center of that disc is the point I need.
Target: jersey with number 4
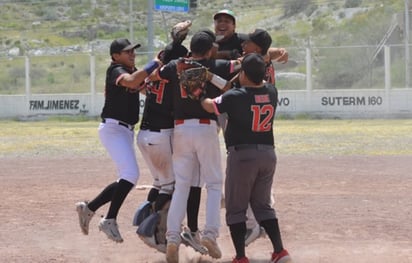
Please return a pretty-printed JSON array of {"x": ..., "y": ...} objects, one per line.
[
  {"x": 158, "y": 110},
  {"x": 250, "y": 114}
]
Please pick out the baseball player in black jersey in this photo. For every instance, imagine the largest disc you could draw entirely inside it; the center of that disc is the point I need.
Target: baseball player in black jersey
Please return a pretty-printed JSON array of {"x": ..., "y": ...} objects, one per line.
[
  {"x": 251, "y": 159},
  {"x": 195, "y": 145},
  {"x": 154, "y": 140},
  {"x": 116, "y": 132},
  {"x": 233, "y": 45}
]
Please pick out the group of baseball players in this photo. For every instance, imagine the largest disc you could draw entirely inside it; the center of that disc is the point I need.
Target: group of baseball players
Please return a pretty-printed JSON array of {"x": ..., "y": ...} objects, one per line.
[{"x": 179, "y": 140}]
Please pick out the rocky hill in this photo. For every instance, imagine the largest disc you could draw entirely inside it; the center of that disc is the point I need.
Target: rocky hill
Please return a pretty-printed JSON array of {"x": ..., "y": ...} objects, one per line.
[{"x": 55, "y": 26}]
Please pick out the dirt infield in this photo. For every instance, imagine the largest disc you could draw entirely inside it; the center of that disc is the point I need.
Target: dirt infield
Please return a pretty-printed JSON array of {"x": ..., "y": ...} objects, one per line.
[{"x": 331, "y": 209}]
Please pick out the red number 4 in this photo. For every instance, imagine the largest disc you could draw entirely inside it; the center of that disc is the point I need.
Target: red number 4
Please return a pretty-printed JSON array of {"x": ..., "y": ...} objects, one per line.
[
  {"x": 159, "y": 90},
  {"x": 266, "y": 112}
]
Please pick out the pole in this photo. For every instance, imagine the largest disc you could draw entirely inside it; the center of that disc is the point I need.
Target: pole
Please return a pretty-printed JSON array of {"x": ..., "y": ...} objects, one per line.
[
  {"x": 131, "y": 33},
  {"x": 407, "y": 53},
  {"x": 150, "y": 30}
]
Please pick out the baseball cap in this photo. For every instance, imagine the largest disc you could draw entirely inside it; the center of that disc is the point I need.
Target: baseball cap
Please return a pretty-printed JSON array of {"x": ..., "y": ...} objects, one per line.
[
  {"x": 254, "y": 67},
  {"x": 201, "y": 42},
  {"x": 210, "y": 33},
  {"x": 261, "y": 38},
  {"x": 122, "y": 44},
  {"x": 225, "y": 12}
]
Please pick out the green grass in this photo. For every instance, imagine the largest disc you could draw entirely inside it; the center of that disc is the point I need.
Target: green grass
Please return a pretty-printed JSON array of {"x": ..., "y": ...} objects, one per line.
[
  {"x": 67, "y": 136},
  {"x": 344, "y": 137}
]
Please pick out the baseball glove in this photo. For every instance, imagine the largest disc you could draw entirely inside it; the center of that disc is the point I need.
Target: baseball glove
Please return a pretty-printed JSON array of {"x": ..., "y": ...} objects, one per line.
[
  {"x": 193, "y": 81},
  {"x": 152, "y": 231},
  {"x": 142, "y": 212},
  {"x": 180, "y": 31}
]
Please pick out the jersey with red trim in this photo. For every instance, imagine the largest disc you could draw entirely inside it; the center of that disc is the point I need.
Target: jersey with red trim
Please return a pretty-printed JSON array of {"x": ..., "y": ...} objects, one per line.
[
  {"x": 158, "y": 109},
  {"x": 185, "y": 107},
  {"x": 120, "y": 103},
  {"x": 251, "y": 112},
  {"x": 233, "y": 43}
]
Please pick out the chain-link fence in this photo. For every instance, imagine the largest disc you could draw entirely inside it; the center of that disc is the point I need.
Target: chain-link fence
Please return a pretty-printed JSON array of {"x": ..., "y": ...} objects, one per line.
[{"x": 314, "y": 68}]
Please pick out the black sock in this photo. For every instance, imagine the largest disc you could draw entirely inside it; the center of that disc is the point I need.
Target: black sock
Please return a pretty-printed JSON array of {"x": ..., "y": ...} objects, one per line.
[
  {"x": 238, "y": 232},
  {"x": 161, "y": 200},
  {"x": 152, "y": 195},
  {"x": 104, "y": 197},
  {"x": 193, "y": 203},
  {"x": 271, "y": 227},
  {"x": 122, "y": 190}
]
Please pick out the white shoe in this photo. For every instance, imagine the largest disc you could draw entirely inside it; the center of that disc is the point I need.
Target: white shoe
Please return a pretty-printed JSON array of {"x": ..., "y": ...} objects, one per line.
[
  {"x": 252, "y": 234},
  {"x": 109, "y": 227},
  {"x": 85, "y": 215},
  {"x": 192, "y": 239}
]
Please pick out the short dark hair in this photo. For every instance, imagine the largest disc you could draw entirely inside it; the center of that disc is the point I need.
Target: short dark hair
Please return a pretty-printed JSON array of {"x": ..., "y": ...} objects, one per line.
[
  {"x": 254, "y": 67},
  {"x": 261, "y": 38}
]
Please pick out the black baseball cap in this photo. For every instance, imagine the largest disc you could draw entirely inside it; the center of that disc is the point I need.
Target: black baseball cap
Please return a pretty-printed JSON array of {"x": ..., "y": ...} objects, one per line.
[
  {"x": 210, "y": 33},
  {"x": 254, "y": 67},
  {"x": 261, "y": 38},
  {"x": 201, "y": 42},
  {"x": 225, "y": 12},
  {"x": 122, "y": 44}
]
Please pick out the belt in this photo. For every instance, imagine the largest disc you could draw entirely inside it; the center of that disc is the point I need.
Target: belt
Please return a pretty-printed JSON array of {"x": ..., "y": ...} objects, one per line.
[
  {"x": 241, "y": 147},
  {"x": 150, "y": 129},
  {"x": 200, "y": 121},
  {"x": 121, "y": 123}
]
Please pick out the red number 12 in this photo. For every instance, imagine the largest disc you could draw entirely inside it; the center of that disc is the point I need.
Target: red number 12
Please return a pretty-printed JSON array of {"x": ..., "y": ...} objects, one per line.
[{"x": 259, "y": 111}]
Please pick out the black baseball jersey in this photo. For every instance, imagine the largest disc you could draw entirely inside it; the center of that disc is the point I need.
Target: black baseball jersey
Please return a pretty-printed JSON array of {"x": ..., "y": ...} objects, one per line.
[
  {"x": 250, "y": 114},
  {"x": 233, "y": 43},
  {"x": 121, "y": 103},
  {"x": 185, "y": 107},
  {"x": 158, "y": 109}
]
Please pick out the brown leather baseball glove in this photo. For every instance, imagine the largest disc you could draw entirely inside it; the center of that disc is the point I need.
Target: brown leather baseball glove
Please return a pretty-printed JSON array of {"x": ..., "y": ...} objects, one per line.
[
  {"x": 180, "y": 31},
  {"x": 193, "y": 80}
]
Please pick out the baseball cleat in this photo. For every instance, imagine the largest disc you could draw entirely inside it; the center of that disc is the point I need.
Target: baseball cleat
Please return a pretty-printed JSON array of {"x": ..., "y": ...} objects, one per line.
[
  {"x": 252, "y": 234},
  {"x": 282, "y": 257},
  {"x": 85, "y": 215},
  {"x": 109, "y": 227},
  {"x": 172, "y": 252},
  {"x": 193, "y": 239},
  {"x": 212, "y": 247}
]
